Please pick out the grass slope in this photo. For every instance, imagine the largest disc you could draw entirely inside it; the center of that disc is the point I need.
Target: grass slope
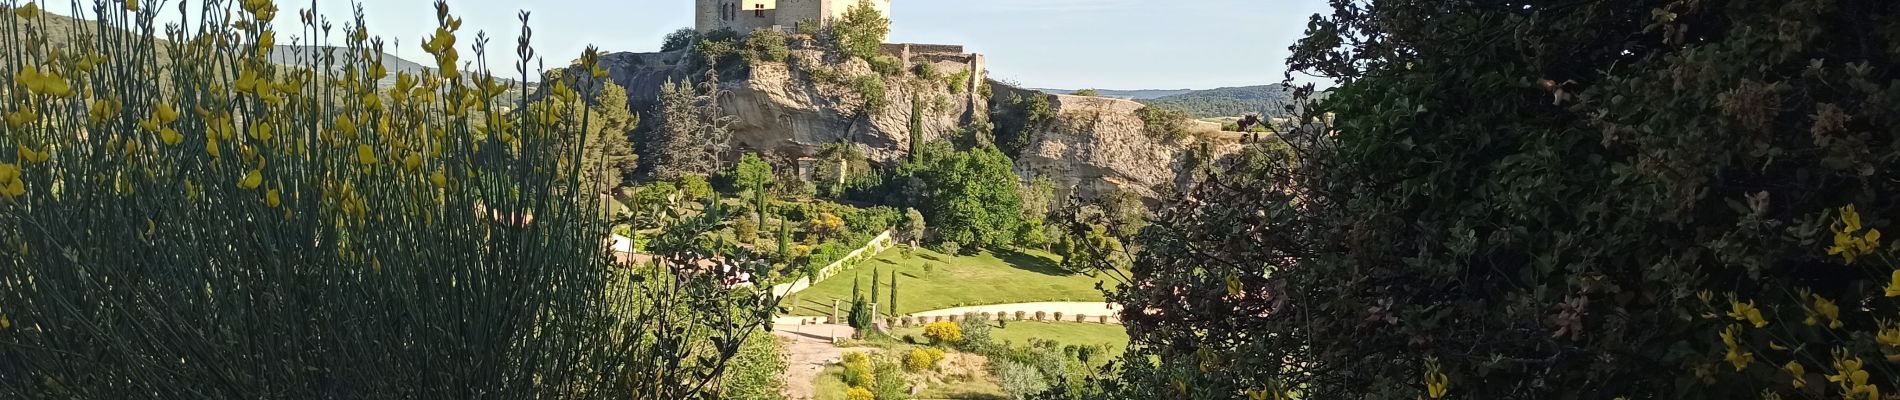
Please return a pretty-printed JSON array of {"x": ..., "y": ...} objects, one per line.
[{"x": 953, "y": 281}]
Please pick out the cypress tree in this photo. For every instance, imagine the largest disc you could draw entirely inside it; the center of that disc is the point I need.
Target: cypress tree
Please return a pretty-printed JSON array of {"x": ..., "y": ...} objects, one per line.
[
  {"x": 877, "y": 275},
  {"x": 916, "y": 126},
  {"x": 893, "y": 302}
]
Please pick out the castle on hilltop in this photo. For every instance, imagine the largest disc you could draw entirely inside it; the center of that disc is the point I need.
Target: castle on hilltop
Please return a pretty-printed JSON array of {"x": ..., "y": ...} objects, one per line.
[{"x": 747, "y": 15}]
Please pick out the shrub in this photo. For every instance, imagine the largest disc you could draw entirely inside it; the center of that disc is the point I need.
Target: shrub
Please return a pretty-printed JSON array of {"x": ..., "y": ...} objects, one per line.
[
  {"x": 694, "y": 187},
  {"x": 758, "y": 372},
  {"x": 925, "y": 70},
  {"x": 887, "y": 65},
  {"x": 870, "y": 88},
  {"x": 976, "y": 332},
  {"x": 288, "y": 232},
  {"x": 920, "y": 360},
  {"x": 858, "y": 371},
  {"x": 950, "y": 247},
  {"x": 1057, "y": 315},
  {"x": 957, "y": 82},
  {"x": 746, "y": 230},
  {"x": 1020, "y": 315},
  {"x": 679, "y": 39},
  {"x": 1163, "y": 123},
  {"x": 1019, "y": 380},
  {"x": 891, "y": 383},
  {"x": 859, "y": 393},
  {"x": 1087, "y": 92},
  {"x": 766, "y": 44},
  {"x": 1040, "y": 315}
]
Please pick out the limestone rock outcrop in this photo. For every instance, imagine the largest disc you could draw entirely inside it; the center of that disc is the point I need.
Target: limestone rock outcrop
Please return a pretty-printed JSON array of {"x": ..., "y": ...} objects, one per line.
[{"x": 790, "y": 110}]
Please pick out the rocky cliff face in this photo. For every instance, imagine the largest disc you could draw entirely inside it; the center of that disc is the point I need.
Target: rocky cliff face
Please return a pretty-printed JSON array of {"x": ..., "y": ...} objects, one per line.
[
  {"x": 1098, "y": 145},
  {"x": 790, "y": 110}
]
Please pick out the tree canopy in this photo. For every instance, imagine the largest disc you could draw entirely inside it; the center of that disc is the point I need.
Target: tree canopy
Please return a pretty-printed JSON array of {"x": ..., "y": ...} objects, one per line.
[{"x": 1554, "y": 199}]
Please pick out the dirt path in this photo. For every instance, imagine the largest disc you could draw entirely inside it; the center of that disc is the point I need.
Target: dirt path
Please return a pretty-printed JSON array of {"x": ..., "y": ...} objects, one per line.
[{"x": 808, "y": 350}]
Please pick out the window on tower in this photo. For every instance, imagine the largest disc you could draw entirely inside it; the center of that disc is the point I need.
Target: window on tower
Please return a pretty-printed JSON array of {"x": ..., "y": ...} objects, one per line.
[{"x": 758, "y": 10}]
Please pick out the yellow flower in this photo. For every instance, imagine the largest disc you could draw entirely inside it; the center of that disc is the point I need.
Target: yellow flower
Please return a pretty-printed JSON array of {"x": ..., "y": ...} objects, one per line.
[
  {"x": 1889, "y": 335},
  {"x": 252, "y": 179},
  {"x": 19, "y": 118},
  {"x": 1746, "y": 312},
  {"x": 365, "y": 155},
  {"x": 29, "y": 11},
  {"x": 1233, "y": 285},
  {"x": 1849, "y": 241},
  {"x": 1893, "y": 284},
  {"x": 27, "y": 154},
  {"x": 170, "y": 136},
  {"x": 1799, "y": 372},
  {"x": 131, "y": 5},
  {"x": 165, "y": 113},
  {"x": 272, "y": 198},
  {"x": 1852, "y": 379},
  {"x": 1736, "y": 356},
  {"x": 1826, "y": 309},
  {"x": 211, "y": 147},
  {"x": 10, "y": 184},
  {"x": 412, "y": 162},
  {"x": 261, "y": 131},
  {"x": 1436, "y": 383}
]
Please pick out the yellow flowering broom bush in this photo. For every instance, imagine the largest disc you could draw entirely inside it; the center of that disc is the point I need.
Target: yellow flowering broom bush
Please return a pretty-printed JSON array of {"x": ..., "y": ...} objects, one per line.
[{"x": 182, "y": 218}]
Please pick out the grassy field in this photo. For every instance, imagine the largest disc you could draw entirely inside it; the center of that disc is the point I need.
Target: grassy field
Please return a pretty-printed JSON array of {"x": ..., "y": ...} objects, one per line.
[
  {"x": 931, "y": 281},
  {"x": 1067, "y": 333}
]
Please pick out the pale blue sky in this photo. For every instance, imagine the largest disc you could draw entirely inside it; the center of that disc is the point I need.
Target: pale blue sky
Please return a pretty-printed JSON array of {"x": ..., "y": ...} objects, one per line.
[{"x": 1112, "y": 44}]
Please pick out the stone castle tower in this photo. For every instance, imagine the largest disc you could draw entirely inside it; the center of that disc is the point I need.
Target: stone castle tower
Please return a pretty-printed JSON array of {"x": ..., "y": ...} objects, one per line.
[{"x": 746, "y": 15}]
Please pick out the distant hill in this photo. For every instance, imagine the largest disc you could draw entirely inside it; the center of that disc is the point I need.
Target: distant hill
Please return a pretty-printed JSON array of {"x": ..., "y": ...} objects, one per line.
[
  {"x": 301, "y": 55},
  {"x": 1126, "y": 94},
  {"x": 1266, "y": 100}
]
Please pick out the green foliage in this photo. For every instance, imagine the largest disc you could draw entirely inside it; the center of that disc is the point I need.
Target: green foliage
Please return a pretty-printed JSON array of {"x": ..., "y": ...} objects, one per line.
[
  {"x": 752, "y": 173},
  {"x": 680, "y": 39},
  {"x": 291, "y": 234},
  {"x": 1163, "y": 123},
  {"x": 957, "y": 82},
  {"x": 1087, "y": 92},
  {"x": 860, "y": 32},
  {"x": 757, "y": 372},
  {"x": 891, "y": 304},
  {"x": 1019, "y": 119},
  {"x": 887, "y": 65},
  {"x": 976, "y": 333},
  {"x": 607, "y": 156},
  {"x": 767, "y": 45},
  {"x": 860, "y": 317},
  {"x": 859, "y": 393},
  {"x": 950, "y": 247},
  {"x": 694, "y": 187},
  {"x": 916, "y": 126},
  {"x": 746, "y": 229},
  {"x": 1524, "y": 210},
  {"x": 914, "y": 225},
  {"x": 969, "y": 196},
  {"x": 870, "y": 90},
  {"x": 1020, "y": 380},
  {"x": 926, "y": 71},
  {"x": 1265, "y": 101},
  {"x": 691, "y": 133},
  {"x": 718, "y": 50},
  {"x": 891, "y": 384}
]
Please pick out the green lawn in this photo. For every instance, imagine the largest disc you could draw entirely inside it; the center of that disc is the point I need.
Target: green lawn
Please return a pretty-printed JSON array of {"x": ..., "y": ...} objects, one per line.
[
  {"x": 953, "y": 281},
  {"x": 1067, "y": 333}
]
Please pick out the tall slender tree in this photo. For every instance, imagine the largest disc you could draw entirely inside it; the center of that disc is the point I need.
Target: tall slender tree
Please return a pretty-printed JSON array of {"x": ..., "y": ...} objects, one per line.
[
  {"x": 893, "y": 300},
  {"x": 877, "y": 275}
]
